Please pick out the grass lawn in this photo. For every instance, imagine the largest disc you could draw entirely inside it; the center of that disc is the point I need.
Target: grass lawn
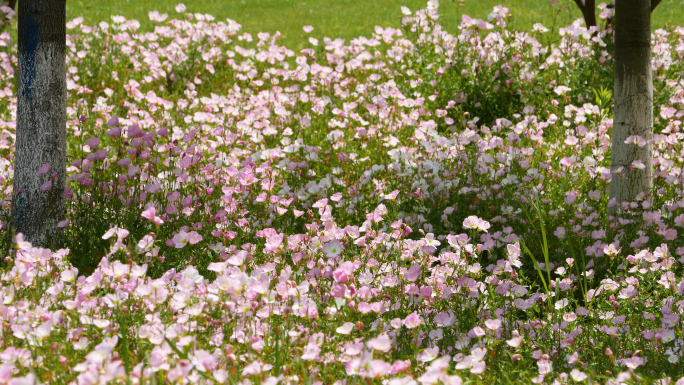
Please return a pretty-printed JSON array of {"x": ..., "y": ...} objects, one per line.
[{"x": 346, "y": 18}]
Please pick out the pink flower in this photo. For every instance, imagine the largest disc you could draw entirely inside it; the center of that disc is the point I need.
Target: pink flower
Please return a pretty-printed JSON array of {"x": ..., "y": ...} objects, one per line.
[
  {"x": 428, "y": 354},
  {"x": 413, "y": 273},
  {"x": 471, "y": 222},
  {"x": 113, "y": 121},
  {"x": 247, "y": 178},
  {"x": 100, "y": 154},
  {"x": 273, "y": 243},
  {"x": 150, "y": 214},
  {"x": 180, "y": 239},
  {"x": 256, "y": 367},
  {"x": 339, "y": 291},
  {"x": 333, "y": 248},
  {"x": 308, "y": 28},
  {"x": 346, "y": 328},
  {"x": 475, "y": 223},
  {"x": 400, "y": 366},
  {"x": 194, "y": 237},
  {"x": 633, "y": 362},
  {"x": 478, "y": 332},
  {"x": 545, "y": 366},
  {"x": 381, "y": 343},
  {"x": 413, "y": 320},
  {"x": 311, "y": 352},
  {"x": 515, "y": 341},
  {"x": 392, "y": 195},
  {"x": 340, "y": 275},
  {"x": 493, "y": 324},
  {"x": 120, "y": 233},
  {"x": 426, "y": 291},
  {"x": 69, "y": 275},
  {"x": 379, "y": 368},
  {"x": 146, "y": 243},
  {"x": 93, "y": 143},
  {"x": 577, "y": 375},
  {"x": 44, "y": 169}
]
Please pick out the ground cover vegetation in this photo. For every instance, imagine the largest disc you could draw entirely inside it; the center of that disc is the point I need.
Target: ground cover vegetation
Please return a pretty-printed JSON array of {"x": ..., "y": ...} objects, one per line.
[{"x": 409, "y": 207}]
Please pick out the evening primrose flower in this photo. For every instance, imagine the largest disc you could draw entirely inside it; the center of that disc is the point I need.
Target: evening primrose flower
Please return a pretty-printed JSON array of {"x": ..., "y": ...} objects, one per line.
[
  {"x": 333, "y": 248},
  {"x": 428, "y": 354},
  {"x": 474, "y": 223},
  {"x": 577, "y": 375},
  {"x": 413, "y": 320},
  {"x": 561, "y": 90},
  {"x": 638, "y": 164},
  {"x": 69, "y": 275},
  {"x": 180, "y": 239},
  {"x": 183, "y": 238},
  {"x": 667, "y": 335},
  {"x": 346, "y": 328},
  {"x": 516, "y": 340},
  {"x": 431, "y": 241},
  {"x": 151, "y": 215},
  {"x": 381, "y": 343},
  {"x": 633, "y": 362}
]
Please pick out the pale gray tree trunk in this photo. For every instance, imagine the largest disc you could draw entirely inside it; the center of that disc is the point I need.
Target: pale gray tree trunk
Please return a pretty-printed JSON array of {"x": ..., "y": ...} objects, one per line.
[
  {"x": 41, "y": 121},
  {"x": 633, "y": 113}
]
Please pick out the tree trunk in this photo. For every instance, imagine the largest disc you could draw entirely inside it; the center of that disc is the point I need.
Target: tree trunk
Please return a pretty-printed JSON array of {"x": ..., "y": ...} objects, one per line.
[
  {"x": 633, "y": 114},
  {"x": 37, "y": 206},
  {"x": 588, "y": 8},
  {"x": 12, "y": 4},
  {"x": 654, "y": 4}
]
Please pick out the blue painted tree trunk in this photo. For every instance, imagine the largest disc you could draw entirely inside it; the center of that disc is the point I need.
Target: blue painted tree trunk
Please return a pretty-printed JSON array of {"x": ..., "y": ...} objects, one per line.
[{"x": 38, "y": 195}]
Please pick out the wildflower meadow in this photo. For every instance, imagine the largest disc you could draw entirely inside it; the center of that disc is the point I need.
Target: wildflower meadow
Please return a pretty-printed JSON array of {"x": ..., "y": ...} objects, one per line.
[{"x": 409, "y": 207}]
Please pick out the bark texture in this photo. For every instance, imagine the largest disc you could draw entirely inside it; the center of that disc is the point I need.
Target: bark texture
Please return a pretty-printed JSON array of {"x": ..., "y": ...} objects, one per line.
[
  {"x": 633, "y": 113},
  {"x": 41, "y": 121}
]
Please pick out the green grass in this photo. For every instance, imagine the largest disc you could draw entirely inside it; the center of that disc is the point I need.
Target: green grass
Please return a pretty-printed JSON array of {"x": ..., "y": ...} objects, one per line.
[{"x": 346, "y": 18}]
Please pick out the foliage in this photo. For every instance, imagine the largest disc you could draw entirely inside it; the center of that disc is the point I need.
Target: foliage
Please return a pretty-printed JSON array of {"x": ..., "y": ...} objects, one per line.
[{"x": 352, "y": 213}]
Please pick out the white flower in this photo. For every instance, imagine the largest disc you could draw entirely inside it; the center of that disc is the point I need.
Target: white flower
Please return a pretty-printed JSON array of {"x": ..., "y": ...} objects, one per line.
[{"x": 561, "y": 304}]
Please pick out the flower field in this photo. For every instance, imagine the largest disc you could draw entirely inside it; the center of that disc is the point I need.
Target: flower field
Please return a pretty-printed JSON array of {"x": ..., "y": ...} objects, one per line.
[{"x": 410, "y": 207}]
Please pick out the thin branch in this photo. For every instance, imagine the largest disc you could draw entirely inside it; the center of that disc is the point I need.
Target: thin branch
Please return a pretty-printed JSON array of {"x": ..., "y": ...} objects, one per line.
[
  {"x": 580, "y": 4},
  {"x": 588, "y": 8}
]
